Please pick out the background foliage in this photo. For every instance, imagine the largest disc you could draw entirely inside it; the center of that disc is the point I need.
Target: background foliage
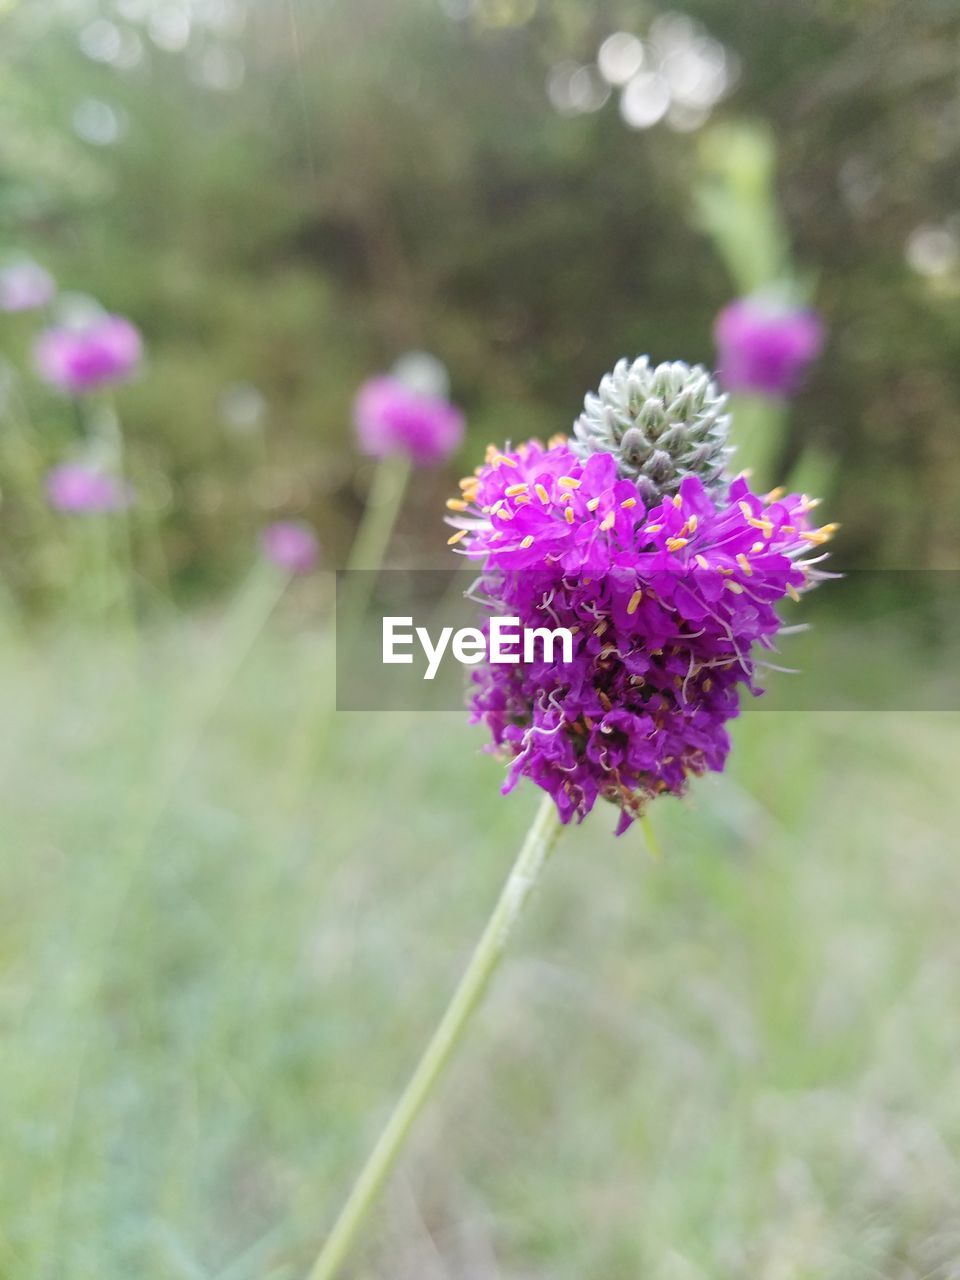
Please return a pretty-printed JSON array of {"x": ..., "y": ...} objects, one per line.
[{"x": 301, "y": 192}]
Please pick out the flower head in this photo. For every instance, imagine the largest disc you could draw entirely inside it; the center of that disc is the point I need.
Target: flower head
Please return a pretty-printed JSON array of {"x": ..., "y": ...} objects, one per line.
[
  {"x": 291, "y": 545},
  {"x": 99, "y": 350},
  {"x": 25, "y": 286},
  {"x": 392, "y": 417},
  {"x": 666, "y": 604},
  {"x": 76, "y": 488},
  {"x": 765, "y": 345}
]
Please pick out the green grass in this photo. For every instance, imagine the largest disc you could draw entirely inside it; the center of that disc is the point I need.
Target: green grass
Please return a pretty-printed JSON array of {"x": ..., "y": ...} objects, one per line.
[{"x": 736, "y": 1060}]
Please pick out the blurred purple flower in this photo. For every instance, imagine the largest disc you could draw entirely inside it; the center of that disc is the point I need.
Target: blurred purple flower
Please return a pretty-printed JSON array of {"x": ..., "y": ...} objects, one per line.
[
  {"x": 391, "y": 417},
  {"x": 765, "y": 346},
  {"x": 25, "y": 286},
  {"x": 76, "y": 488},
  {"x": 291, "y": 545},
  {"x": 105, "y": 348}
]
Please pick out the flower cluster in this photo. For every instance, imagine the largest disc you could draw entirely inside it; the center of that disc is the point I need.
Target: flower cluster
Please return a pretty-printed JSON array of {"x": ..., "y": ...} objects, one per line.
[
  {"x": 78, "y": 489},
  {"x": 82, "y": 357},
  {"x": 765, "y": 346},
  {"x": 665, "y": 604},
  {"x": 393, "y": 417}
]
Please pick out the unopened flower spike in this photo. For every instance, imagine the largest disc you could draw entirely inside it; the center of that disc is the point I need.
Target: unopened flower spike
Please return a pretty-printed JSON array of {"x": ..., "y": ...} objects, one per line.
[{"x": 661, "y": 424}]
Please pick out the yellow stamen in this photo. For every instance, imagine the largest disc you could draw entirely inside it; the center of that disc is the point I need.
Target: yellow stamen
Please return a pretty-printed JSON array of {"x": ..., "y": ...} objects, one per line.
[
  {"x": 569, "y": 515},
  {"x": 457, "y": 537},
  {"x": 541, "y": 493},
  {"x": 633, "y": 603},
  {"x": 456, "y": 504},
  {"x": 676, "y": 544},
  {"x": 593, "y": 504},
  {"x": 527, "y": 542},
  {"x": 757, "y": 546},
  {"x": 627, "y": 503},
  {"x": 556, "y": 439},
  {"x": 568, "y": 482},
  {"x": 513, "y": 489},
  {"x": 775, "y": 494},
  {"x": 702, "y": 561},
  {"x": 793, "y": 593},
  {"x": 501, "y": 459},
  {"x": 608, "y": 521},
  {"x": 745, "y": 565},
  {"x": 677, "y": 500},
  {"x": 735, "y": 587}
]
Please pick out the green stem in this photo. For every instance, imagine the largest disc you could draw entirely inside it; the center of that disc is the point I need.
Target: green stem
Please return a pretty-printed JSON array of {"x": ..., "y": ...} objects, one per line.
[
  {"x": 373, "y": 537},
  {"x": 534, "y": 852}
]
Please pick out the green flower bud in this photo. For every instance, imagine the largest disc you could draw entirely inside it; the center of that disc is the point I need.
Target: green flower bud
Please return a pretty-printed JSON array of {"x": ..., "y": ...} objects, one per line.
[{"x": 661, "y": 424}]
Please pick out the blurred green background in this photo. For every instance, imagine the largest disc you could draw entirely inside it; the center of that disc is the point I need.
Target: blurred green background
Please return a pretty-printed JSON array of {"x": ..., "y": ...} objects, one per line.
[
  {"x": 291, "y": 194},
  {"x": 228, "y": 915}
]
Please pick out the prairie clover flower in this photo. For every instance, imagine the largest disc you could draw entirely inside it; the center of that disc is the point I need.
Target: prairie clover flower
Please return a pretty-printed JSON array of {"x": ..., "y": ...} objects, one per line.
[
  {"x": 25, "y": 286},
  {"x": 765, "y": 345},
  {"x": 77, "y": 489},
  {"x": 79, "y": 358},
  {"x": 667, "y": 575},
  {"x": 290, "y": 545},
  {"x": 393, "y": 418},
  {"x": 666, "y": 600}
]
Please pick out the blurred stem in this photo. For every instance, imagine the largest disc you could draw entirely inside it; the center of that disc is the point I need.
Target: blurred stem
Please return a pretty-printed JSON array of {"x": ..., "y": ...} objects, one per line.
[
  {"x": 384, "y": 501},
  {"x": 534, "y": 852},
  {"x": 758, "y": 427}
]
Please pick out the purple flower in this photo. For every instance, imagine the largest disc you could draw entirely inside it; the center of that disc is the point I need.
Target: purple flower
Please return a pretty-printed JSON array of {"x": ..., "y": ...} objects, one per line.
[
  {"x": 79, "y": 489},
  {"x": 104, "y": 349},
  {"x": 291, "y": 545},
  {"x": 766, "y": 346},
  {"x": 665, "y": 605},
  {"x": 391, "y": 417},
  {"x": 25, "y": 286}
]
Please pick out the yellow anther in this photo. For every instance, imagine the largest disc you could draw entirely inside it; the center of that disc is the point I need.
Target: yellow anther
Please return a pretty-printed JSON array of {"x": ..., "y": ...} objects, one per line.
[
  {"x": 569, "y": 515},
  {"x": 765, "y": 527},
  {"x": 568, "y": 482},
  {"x": 677, "y": 500},
  {"x": 556, "y": 439},
  {"x": 527, "y": 542},
  {"x": 496, "y": 535},
  {"x": 513, "y": 489},
  {"x": 608, "y": 521},
  {"x": 676, "y": 544},
  {"x": 627, "y": 503},
  {"x": 775, "y": 494},
  {"x": 735, "y": 587},
  {"x": 601, "y": 627},
  {"x": 757, "y": 546},
  {"x": 541, "y": 493},
  {"x": 565, "y": 497},
  {"x": 707, "y": 685},
  {"x": 745, "y": 565},
  {"x": 792, "y": 592},
  {"x": 456, "y": 504},
  {"x": 702, "y": 561},
  {"x": 593, "y": 504},
  {"x": 633, "y": 604},
  {"x": 501, "y": 459},
  {"x": 457, "y": 537},
  {"x": 653, "y": 528}
]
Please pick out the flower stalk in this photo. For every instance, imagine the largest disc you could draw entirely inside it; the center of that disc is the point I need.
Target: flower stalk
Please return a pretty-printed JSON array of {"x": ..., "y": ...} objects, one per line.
[{"x": 534, "y": 852}]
